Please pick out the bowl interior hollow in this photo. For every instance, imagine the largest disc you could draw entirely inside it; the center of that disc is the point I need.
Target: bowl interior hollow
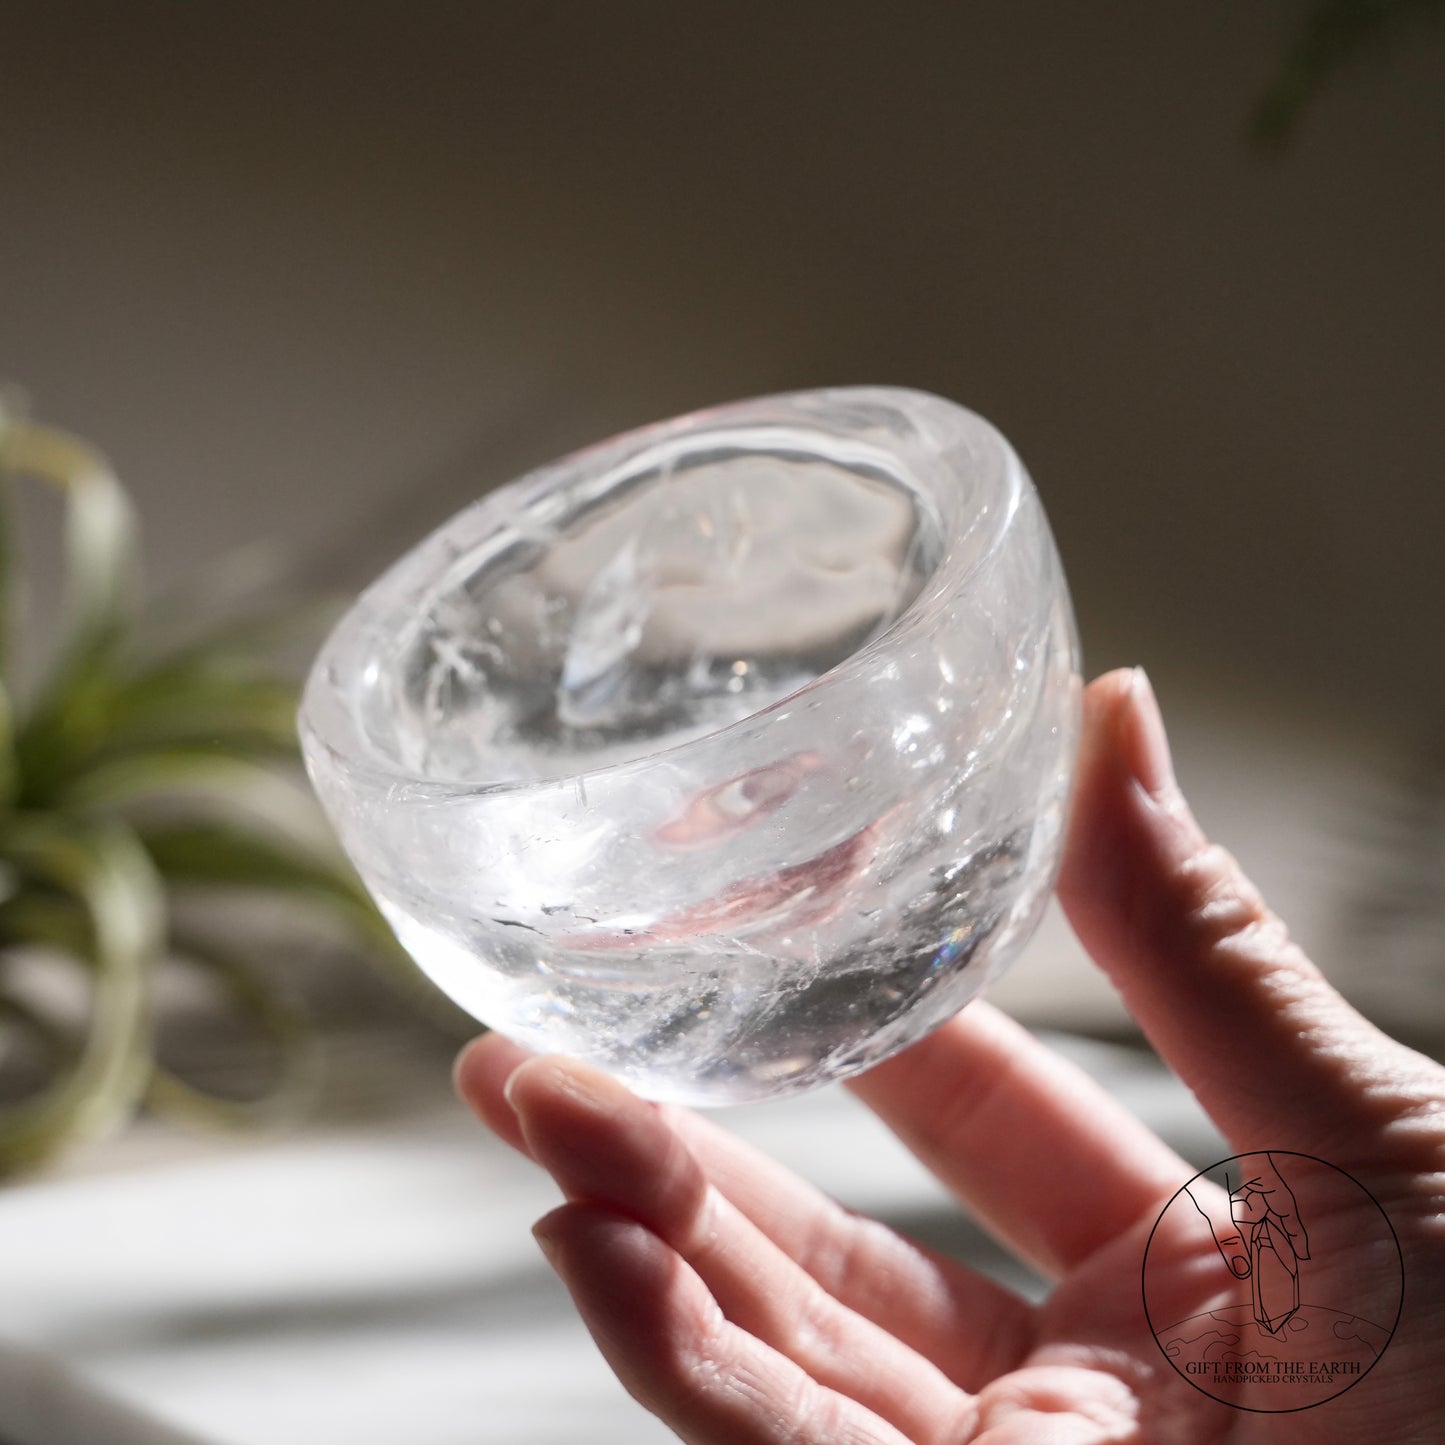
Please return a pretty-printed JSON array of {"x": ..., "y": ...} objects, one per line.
[{"x": 616, "y": 613}]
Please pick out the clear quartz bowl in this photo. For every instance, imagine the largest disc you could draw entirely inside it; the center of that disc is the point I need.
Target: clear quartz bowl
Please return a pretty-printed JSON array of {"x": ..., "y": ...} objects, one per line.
[{"x": 731, "y": 755}]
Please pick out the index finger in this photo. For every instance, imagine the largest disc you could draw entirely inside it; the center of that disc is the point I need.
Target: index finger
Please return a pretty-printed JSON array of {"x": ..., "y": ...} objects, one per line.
[{"x": 969, "y": 1325}]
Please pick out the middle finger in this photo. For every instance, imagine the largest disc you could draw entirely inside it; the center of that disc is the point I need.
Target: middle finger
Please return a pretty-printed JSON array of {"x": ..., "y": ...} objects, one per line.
[{"x": 969, "y": 1325}]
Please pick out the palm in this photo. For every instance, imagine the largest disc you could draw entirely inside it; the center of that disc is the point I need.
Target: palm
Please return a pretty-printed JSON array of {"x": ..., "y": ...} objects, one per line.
[
  {"x": 745, "y": 1308},
  {"x": 1093, "y": 1317}
]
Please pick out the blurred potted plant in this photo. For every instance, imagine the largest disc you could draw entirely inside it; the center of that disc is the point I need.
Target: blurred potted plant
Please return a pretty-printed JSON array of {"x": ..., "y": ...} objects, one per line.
[{"x": 137, "y": 770}]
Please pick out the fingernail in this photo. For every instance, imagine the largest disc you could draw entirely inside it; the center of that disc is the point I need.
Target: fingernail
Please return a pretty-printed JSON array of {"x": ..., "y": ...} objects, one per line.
[
  {"x": 545, "y": 1242},
  {"x": 1146, "y": 743},
  {"x": 461, "y": 1064},
  {"x": 1240, "y": 1265}
]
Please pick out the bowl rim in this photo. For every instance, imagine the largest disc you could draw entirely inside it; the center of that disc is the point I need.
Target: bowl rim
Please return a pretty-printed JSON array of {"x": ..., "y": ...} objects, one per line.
[{"x": 329, "y": 728}]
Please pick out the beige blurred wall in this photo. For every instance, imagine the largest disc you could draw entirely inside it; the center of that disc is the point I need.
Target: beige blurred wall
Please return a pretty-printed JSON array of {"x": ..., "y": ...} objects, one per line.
[
  {"x": 324, "y": 270},
  {"x": 321, "y": 272}
]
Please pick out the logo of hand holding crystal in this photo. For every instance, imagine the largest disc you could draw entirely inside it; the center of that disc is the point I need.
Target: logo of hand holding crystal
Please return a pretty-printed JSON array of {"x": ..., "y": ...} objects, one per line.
[
  {"x": 1263, "y": 1240},
  {"x": 1321, "y": 1305}
]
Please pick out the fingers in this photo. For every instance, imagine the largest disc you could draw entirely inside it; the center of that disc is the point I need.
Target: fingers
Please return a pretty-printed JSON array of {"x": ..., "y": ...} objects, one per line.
[
  {"x": 1282, "y": 1204},
  {"x": 603, "y": 1145},
  {"x": 1213, "y": 1206},
  {"x": 1058, "y": 1404},
  {"x": 662, "y": 1332},
  {"x": 480, "y": 1077},
  {"x": 968, "y": 1325},
  {"x": 1210, "y": 974},
  {"x": 1046, "y": 1160},
  {"x": 1277, "y": 1202}
]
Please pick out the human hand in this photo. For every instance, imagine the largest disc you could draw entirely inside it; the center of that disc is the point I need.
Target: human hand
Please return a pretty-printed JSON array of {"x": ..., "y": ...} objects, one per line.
[{"x": 746, "y": 1308}]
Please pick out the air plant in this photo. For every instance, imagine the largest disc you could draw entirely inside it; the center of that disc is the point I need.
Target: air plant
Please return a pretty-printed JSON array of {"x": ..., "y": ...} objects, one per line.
[{"x": 136, "y": 772}]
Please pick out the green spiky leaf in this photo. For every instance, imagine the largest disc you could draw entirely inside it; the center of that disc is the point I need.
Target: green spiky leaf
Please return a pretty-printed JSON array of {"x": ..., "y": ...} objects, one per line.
[
  {"x": 146, "y": 765},
  {"x": 108, "y": 878}
]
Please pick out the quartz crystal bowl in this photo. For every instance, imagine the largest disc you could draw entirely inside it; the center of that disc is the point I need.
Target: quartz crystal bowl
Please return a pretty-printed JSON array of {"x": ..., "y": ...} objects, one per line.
[{"x": 730, "y": 755}]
